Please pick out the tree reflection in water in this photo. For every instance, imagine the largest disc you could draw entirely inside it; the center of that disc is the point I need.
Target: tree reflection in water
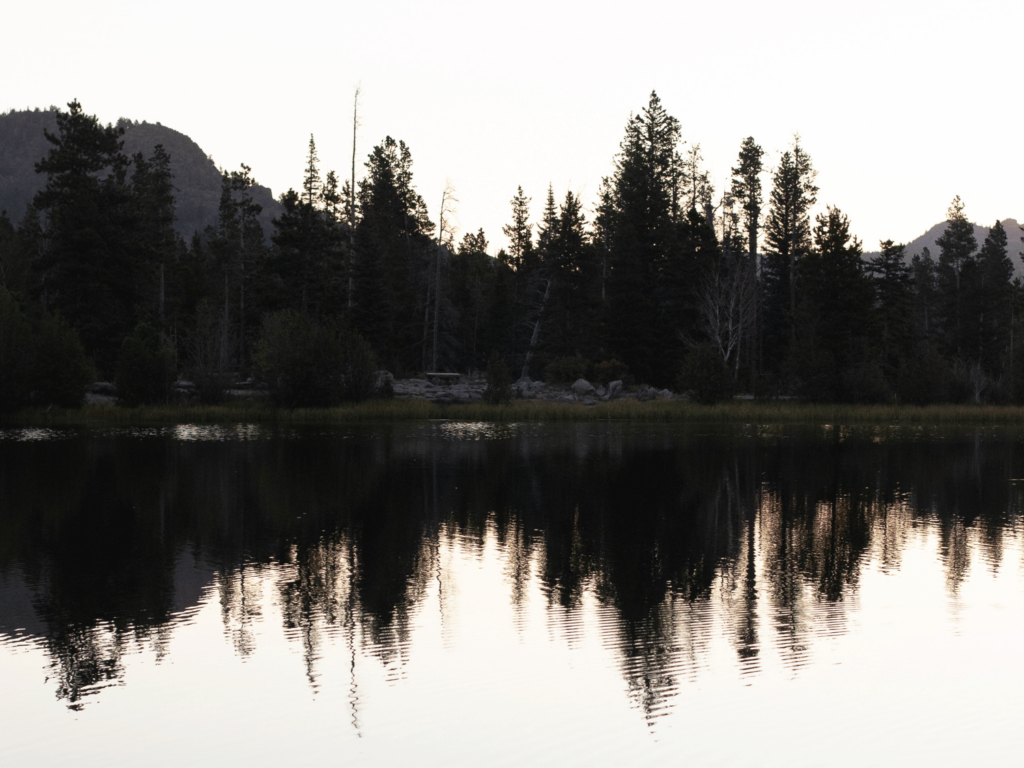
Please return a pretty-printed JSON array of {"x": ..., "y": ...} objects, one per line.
[{"x": 762, "y": 535}]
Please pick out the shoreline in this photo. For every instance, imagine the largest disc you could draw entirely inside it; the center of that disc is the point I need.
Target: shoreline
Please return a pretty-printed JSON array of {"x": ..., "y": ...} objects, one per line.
[{"x": 734, "y": 412}]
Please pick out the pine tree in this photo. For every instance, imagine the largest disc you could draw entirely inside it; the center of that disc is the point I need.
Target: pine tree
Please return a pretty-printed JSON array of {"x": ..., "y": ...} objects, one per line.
[
  {"x": 642, "y": 234},
  {"x": 573, "y": 305},
  {"x": 520, "y": 249},
  {"x": 332, "y": 266},
  {"x": 393, "y": 238},
  {"x": 547, "y": 229},
  {"x": 746, "y": 189},
  {"x": 836, "y": 321},
  {"x": 158, "y": 244},
  {"x": 331, "y": 199},
  {"x": 894, "y": 286},
  {"x": 11, "y": 267},
  {"x": 472, "y": 288},
  {"x": 522, "y": 260},
  {"x": 925, "y": 303},
  {"x": 697, "y": 190},
  {"x": 993, "y": 300},
  {"x": 747, "y": 192},
  {"x": 787, "y": 241},
  {"x": 239, "y": 248},
  {"x": 956, "y": 273},
  {"x": 90, "y": 270},
  {"x": 311, "y": 184}
]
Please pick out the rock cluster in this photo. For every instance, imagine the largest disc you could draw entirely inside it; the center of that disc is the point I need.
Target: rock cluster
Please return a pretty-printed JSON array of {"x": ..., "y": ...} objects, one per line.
[
  {"x": 472, "y": 388},
  {"x": 468, "y": 389}
]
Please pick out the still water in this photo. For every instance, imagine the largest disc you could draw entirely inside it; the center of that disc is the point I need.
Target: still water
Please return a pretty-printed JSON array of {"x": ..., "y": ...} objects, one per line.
[{"x": 473, "y": 594}]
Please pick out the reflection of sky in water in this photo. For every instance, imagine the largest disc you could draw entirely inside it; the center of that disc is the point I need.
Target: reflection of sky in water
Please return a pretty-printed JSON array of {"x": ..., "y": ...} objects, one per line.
[
  {"x": 902, "y": 672},
  {"x": 474, "y": 677},
  {"x": 185, "y": 432},
  {"x": 206, "y": 432},
  {"x": 475, "y": 430},
  {"x": 34, "y": 434},
  {"x": 883, "y": 632}
]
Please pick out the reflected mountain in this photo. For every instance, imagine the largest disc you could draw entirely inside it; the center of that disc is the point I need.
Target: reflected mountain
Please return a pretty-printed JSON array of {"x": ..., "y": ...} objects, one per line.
[{"x": 112, "y": 540}]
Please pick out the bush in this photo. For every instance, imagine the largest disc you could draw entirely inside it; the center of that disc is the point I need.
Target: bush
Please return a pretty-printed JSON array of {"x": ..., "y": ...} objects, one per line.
[
  {"x": 608, "y": 371},
  {"x": 817, "y": 378},
  {"x": 309, "y": 363},
  {"x": 1000, "y": 390},
  {"x": 145, "y": 368},
  {"x": 967, "y": 382},
  {"x": 15, "y": 353},
  {"x": 866, "y": 384},
  {"x": 384, "y": 387},
  {"x": 565, "y": 370},
  {"x": 705, "y": 375},
  {"x": 924, "y": 378},
  {"x": 61, "y": 369},
  {"x": 499, "y": 381},
  {"x": 207, "y": 351}
]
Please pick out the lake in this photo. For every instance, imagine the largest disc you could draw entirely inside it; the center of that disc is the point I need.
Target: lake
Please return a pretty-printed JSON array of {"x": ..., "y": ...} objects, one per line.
[{"x": 464, "y": 594}]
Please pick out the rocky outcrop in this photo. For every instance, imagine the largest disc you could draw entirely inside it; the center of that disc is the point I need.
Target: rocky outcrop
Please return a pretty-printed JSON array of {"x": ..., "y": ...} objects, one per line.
[
  {"x": 467, "y": 390},
  {"x": 528, "y": 389},
  {"x": 645, "y": 394}
]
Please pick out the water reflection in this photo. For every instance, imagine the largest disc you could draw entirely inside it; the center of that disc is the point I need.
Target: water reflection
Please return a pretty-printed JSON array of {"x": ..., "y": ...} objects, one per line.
[{"x": 111, "y": 541}]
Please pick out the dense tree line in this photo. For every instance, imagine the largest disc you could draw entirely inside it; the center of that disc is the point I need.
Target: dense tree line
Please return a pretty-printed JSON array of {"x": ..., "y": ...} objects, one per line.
[{"x": 667, "y": 283}]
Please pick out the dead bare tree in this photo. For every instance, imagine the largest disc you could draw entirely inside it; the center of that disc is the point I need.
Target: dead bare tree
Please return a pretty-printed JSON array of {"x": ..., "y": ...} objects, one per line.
[
  {"x": 725, "y": 303},
  {"x": 445, "y": 233},
  {"x": 535, "y": 336},
  {"x": 352, "y": 197}
]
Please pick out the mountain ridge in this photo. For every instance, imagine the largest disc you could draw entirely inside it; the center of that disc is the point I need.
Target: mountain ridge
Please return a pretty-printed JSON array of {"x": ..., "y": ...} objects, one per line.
[
  {"x": 196, "y": 176},
  {"x": 929, "y": 240}
]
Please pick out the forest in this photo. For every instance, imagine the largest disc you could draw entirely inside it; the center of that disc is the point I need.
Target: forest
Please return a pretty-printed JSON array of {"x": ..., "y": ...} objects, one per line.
[{"x": 667, "y": 282}]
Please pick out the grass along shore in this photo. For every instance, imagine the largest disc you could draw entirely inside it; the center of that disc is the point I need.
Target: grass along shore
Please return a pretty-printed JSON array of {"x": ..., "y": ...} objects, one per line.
[{"x": 772, "y": 412}]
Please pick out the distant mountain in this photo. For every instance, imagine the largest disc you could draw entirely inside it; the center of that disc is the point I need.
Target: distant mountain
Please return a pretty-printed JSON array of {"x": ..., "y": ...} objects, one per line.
[
  {"x": 22, "y": 144},
  {"x": 1014, "y": 246}
]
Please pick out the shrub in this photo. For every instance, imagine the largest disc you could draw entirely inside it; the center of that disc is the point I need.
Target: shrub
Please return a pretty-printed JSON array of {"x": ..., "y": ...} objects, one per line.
[
  {"x": 309, "y": 363},
  {"x": 61, "y": 369},
  {"x": 565, "y": 370},
  {"x": 499, "y": 381},
  {"x": 967, "y": 382},
  {"x": 866, "y": 384},
  {"x": 611, "y": 370},
  {"x": 1000, "y": 390},
  {"x": 207, "y": 351},
  {"x": 145, "y": 367},
  {"x": 705, "y": 375},
  {"x": 816, "y": 375},
  {"x": 15, "y": 353},
  {"x": 384, "y": 387},
  {"x": 924, "y": 378}
]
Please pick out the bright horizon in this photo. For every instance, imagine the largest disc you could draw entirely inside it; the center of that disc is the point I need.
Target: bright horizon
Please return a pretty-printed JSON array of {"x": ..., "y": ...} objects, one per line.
[{"x": 899, "y": 109}]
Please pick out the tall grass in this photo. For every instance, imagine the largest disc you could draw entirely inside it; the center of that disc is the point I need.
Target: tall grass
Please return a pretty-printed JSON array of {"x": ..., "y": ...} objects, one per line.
[{"x": 783, "y": 412}]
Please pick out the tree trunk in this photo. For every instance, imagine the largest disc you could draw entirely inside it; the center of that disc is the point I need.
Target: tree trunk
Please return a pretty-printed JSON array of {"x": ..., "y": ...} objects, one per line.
[
  {"x": 437, "y": 305},
  {"x": 352, "y": 199},
  {"x": 536, "y": 330}
]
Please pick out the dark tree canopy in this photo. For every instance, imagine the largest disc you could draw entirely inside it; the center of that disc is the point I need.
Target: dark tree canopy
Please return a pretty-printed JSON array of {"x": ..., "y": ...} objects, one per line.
[{"x": 664, "y": 281}]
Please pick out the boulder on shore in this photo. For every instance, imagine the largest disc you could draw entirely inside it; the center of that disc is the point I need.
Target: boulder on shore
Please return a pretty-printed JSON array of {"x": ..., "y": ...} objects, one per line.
[
  {"x": 583, "y": 388},
  {"x": 647, "y": 393}
]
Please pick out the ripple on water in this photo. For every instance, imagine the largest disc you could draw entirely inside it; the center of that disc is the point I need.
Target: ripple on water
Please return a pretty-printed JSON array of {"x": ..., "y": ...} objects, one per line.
[
  {"x": 217, "y": 432},
  {"x": 476, "y": 430},
  {"x": 34, "y": 434}
]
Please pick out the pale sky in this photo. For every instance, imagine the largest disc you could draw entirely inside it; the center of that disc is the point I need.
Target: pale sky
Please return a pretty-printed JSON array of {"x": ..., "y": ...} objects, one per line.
[{"x": 900, "y": 105}]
